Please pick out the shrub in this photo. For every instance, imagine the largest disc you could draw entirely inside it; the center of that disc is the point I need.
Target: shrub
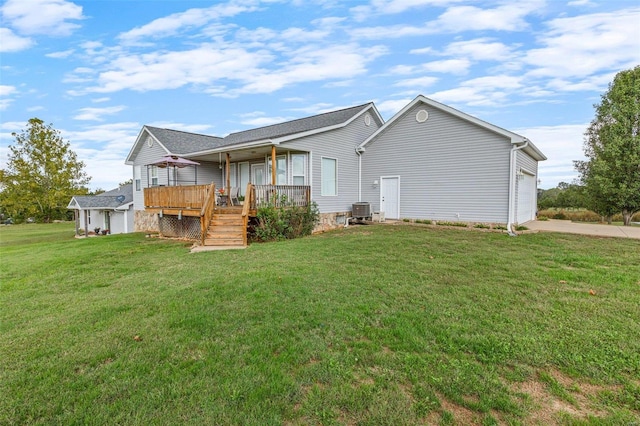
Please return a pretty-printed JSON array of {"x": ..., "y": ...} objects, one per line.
[
  {"x": 424, "y": 221},
  {"x": 543, "y": 218},
  {"x": 459, "y": 224},
  {"x": 521, "y": 228},
  {"x": 287, "y": 222},
  {"x": 406, "y": 220},
  {"x": 500, "y": 227},
  {"x": 481, "y": 226}
]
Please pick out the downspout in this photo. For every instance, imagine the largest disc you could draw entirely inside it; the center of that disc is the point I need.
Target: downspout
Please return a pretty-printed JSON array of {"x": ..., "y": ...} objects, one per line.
[
  {"x": 512, "y": 185},
  {"x": 359, "y": 151}
]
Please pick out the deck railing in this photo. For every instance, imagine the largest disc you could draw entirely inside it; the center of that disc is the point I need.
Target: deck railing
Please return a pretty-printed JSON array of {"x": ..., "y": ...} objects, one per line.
[
  {"x": 176, "y": 197},
  {"x": 206, "y": 212},
  {"x": 282, "y": 195}
]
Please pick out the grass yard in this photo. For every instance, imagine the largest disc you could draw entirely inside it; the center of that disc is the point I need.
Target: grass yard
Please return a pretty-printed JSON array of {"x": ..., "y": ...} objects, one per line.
[{"x": 372, "y": 325}]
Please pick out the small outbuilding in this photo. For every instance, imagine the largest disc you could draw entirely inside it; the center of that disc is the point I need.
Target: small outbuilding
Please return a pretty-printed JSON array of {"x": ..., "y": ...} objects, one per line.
[{"x": 109, "y": 213}]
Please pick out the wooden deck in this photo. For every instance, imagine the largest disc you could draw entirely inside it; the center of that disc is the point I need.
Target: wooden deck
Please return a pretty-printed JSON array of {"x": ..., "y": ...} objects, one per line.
[{"x": 221, "y": 225}]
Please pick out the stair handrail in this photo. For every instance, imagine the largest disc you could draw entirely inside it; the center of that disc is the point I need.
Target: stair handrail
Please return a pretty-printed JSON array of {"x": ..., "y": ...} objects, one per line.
[
  {"x": 248, "y": 200},
  {"x": 207, "y": 211}
]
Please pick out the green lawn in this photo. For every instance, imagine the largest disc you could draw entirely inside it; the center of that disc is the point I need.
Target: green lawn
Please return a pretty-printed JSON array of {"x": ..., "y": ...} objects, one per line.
[{"x": 382, "y": 324}]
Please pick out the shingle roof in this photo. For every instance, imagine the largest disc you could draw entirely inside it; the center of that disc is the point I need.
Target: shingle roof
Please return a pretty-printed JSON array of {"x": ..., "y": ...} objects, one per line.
[
  {"x": 184, "y": 143},
  {"x": 178, "y": 142},
  {"x": 107, "y": 200},
  {"x": 295, "y": 126}
]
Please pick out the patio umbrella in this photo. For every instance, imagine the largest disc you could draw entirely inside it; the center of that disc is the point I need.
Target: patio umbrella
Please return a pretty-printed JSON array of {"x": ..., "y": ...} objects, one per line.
[{"x": 174, "y": 161}]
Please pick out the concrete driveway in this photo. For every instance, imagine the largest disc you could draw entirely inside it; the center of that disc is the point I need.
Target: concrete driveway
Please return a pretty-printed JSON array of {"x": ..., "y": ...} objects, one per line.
[{"x": 599, "y": 230}]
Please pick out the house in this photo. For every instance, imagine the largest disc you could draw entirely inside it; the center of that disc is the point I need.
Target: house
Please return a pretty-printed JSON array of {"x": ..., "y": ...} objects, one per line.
[
  {"x": 431, "y": 161},
  {"x": 316, "y": 154},
  {"x": 428, "y": 161},
  {"x": 110, "y": 211}
]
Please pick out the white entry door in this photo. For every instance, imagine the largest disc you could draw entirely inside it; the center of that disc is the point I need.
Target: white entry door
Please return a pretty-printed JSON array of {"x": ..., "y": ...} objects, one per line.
[
  {"x": 526, "y": 197},
  {"x": 390, "y": 196},
  {"x": 257, "y": 174}
]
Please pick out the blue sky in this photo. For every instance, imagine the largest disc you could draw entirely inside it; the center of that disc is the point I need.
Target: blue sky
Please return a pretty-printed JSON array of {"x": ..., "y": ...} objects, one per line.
[{"x": 99, "y": 70}]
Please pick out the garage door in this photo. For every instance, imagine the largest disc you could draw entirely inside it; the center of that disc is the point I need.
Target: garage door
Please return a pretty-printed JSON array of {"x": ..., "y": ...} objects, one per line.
[{"x": 526, "y": 198}]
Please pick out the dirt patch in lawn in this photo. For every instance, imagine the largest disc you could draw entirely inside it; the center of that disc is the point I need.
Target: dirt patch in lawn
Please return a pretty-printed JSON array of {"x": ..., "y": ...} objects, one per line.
[{"x": 548, "y": 408}]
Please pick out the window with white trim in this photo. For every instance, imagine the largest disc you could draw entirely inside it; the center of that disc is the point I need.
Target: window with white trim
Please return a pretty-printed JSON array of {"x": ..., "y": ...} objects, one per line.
[
  {"x": 299, "y": 169},
  {"x": 281, "y": 170},
  {"x": 329, "y": 176},
  {"x": 136, "y": 176},
  {"x": 154, "y": 175}
]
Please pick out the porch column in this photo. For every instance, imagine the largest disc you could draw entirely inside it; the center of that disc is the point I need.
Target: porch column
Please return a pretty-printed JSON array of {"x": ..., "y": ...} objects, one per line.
[
  {"x": 273, "y": 164},
  {"x": 76, "y": 217},
  {"x": 86, "y": 225},
  {"x": 228, "y": 167}
]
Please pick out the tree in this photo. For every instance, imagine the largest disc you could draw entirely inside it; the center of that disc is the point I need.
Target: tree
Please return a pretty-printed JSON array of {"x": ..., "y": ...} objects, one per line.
[
  {"x": 611, "y": 174},
  {"x": 42, "y": 174}
]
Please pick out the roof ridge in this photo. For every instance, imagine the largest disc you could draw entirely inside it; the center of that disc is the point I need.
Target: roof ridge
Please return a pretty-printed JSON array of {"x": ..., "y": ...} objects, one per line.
[
  {"x": 182, "y": 131},
  {"x": 299, "y": 119}
]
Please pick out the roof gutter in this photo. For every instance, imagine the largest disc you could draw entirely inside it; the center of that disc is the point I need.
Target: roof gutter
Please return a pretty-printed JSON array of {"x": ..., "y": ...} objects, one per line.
[{"x": 512, "y": 184}]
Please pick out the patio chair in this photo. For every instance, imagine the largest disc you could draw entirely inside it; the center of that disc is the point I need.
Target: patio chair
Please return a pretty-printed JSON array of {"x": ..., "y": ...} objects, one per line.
[{"x": 233, "y": 196}]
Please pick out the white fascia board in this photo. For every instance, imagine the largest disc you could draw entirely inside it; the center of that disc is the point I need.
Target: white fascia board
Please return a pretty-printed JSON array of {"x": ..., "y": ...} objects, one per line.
[
  {"x": 124, "y": 206},
  {"x": 231, "y": 148}
]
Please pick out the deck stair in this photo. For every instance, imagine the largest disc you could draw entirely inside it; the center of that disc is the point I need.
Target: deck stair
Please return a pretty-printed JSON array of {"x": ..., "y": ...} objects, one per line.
[{"x": 226, "y": 228}]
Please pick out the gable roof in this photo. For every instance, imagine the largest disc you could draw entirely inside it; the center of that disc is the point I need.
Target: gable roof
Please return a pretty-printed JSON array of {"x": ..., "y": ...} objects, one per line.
[
  {"x": 514, "y": 137},
  {"x": 109, "y": 200},
  {"x": 294, "y": 127},
  {"x": 175, "y": 142}
]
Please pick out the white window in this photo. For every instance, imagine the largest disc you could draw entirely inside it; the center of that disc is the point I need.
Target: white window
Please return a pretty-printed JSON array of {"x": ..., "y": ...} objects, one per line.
[
  {"x": 281, "y": 170},
  {"x": 243, "y": 171},
  {"x": 299, "y": 169},
  {"x": 136, "y": 176},
  {"x": 154, "y": 175},
  {"x": 329, "y": 176}
]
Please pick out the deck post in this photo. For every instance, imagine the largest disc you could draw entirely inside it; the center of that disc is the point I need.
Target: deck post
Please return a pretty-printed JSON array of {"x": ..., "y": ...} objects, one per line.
[
  {"x": 273, "y": 164},
  {"x": 228, "y": 167}
]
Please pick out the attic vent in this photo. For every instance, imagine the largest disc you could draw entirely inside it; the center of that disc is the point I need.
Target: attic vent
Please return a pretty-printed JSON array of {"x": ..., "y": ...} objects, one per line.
[
  {"x": 422, "y": 116},
  {"x": 367, "y": 120},
  {"x": 149, "y": 141}
]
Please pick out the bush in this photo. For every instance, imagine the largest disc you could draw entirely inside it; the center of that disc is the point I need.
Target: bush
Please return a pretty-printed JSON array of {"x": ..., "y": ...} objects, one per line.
[
  {"x": 459, "y": 224},
  {"x": 406, "y": 220},
  {"x": 579, "y": 215},
  {"x": 424, "y": 221},
  {"x": 481, "y": 226},
  {"x": 285, "y": 223},
  {"x": 521, "y": 228}
]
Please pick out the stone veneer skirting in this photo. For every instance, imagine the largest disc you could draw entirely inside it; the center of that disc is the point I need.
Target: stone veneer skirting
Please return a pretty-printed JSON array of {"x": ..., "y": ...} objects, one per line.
[
  {"x": 330, "y": 221},
  {"x": 145, "y": 222}
]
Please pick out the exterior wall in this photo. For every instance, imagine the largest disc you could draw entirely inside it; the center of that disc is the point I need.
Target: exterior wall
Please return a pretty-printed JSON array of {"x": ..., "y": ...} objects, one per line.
[
  {"x": 449, "y": 168},
  {"x": 329, "y": 221},
  {"x": 339, "y": 144}
]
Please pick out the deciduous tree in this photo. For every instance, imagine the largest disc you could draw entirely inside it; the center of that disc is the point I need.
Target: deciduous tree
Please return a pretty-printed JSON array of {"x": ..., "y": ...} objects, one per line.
[
  {"x": 42, "y": 174},
  {"x": 611, "y": 174}
]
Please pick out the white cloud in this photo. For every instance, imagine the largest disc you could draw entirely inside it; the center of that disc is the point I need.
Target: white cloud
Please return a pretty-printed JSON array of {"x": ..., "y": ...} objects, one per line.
[
  {"x": 417, "y": 83},
  {"x": 448, "y": 66},
  {"x": 60, "y": 55},
  {"x": 391, "y": 107},
  {"x": 481, "y": 49},
  {"x": 12, "y": 42},
  {"x": 48, "y": 17},
  {"x": 507, "y": 17},
  {"x": 562, "y": 145},
  {"x": 482, "y": 91},
  {"x": 390, "y": 7},
  {"x": 191, "y": 128},
  {"x": 5, "y": 93},
  {"x": 192, "y": 18},
  {"x": 97, "y": 114},
  {"x": 581, "y": 46}
]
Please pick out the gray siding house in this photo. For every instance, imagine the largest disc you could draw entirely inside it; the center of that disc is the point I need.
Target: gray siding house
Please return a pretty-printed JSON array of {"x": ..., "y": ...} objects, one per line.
[
  {"x": 317, "y": 151},
  {"x": 431, "y": 161}
]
